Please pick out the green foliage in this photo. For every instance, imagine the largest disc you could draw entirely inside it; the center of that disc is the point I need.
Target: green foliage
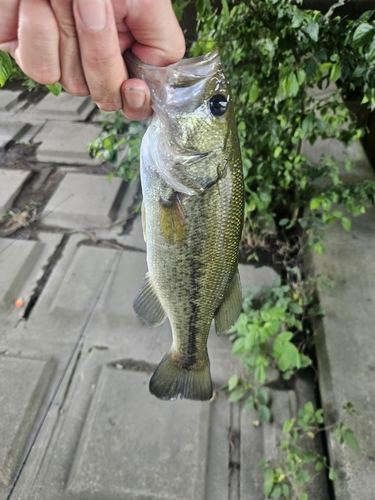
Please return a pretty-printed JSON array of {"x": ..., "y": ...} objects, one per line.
[
  {"x": 275, "y": 54},
  {"x": 266, "y": 331},
  {"x": 119, "y": 144},
  {"x": 296, "y": 467},
  {"x": 6, "y": 67}
]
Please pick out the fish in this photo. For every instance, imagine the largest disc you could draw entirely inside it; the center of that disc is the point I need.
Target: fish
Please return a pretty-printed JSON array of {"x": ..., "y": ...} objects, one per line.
[{"x": 192, "y": 217}]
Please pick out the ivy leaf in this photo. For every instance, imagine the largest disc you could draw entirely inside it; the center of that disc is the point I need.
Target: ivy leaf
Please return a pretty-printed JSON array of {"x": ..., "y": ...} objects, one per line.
[
  {"x": 363, "y": 34},
  {"x": 6, "y": 67}
]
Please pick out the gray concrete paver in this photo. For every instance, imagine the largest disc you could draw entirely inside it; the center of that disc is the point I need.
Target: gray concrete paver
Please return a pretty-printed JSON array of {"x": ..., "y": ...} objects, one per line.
[
  {"x": 66, "y": 143},
  {"x": 344, "y": 337},
  {"x": 20, "y": 398},
  {"x": 8, "y": 99},
  {"x": 83, "y": 201},
  {"x": 11, "y": 131},
  {"x": 21, "y": 266},
  {"x": 62, "y": 107},
  {"x": 11, "y": 182}
]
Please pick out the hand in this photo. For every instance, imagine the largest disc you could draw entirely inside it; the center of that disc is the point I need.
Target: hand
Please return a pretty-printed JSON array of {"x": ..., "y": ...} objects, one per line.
[{"x": 80, "y": 44}]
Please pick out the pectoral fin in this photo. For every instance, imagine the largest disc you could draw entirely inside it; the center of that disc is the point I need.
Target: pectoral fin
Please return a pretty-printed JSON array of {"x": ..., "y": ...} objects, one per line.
[
  {"x": 229, "y": 310},
  {"x": 147, "y": 305}
]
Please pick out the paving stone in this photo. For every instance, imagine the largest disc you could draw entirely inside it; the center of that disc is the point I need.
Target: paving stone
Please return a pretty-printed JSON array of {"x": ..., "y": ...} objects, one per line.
[
  {"x": 21, "y": 266},
  {"x": 345, "y": 344},
  {"x": 130, "y": 444},
  {"x": 83, "y": 201},
  {"x": 11, "y": 131},
  {"x": 8, "y": 99},
  {"x": 63, "y": 107},
  {"x": 65, "y": 142},
  {"x": 20, "y": 398},
  {"x": 344, "y": 337},
  {"x": 11, "y": 182}
]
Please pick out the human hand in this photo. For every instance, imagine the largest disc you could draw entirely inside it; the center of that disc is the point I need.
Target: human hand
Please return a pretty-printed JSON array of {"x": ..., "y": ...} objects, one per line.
[{"x": 80, "y": 44}]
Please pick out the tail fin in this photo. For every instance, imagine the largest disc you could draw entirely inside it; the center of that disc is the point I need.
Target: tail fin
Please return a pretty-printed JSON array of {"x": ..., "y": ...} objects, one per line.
[{"x": 171, "y": 380}]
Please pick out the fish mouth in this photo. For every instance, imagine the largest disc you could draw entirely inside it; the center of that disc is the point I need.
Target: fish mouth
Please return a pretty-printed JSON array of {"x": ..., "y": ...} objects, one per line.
[{"x": 167, "y": 83}]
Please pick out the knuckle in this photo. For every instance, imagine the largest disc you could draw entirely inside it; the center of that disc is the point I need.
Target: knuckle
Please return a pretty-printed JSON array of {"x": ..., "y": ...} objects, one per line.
[{"x": 75, "y": 88}]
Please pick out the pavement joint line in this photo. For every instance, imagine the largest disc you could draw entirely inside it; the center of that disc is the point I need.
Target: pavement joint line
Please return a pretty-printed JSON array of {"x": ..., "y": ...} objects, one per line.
[
  {"x": 33, "y": 224},
  {"x": 79, "y": 343}
]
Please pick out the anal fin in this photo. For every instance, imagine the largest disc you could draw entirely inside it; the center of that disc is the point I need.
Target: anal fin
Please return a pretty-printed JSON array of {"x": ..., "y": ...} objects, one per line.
[
  {"x": 229, "y": 310},
  {"x": 147, "y": 305}
]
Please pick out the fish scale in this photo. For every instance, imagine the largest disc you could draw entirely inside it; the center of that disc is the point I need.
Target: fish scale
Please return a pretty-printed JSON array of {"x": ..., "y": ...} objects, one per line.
[{"x": 192, "y": 217}]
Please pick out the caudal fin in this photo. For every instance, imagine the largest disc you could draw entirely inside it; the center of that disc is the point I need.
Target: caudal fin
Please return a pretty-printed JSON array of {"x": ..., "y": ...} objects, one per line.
[{"x": 171, "y": 380}]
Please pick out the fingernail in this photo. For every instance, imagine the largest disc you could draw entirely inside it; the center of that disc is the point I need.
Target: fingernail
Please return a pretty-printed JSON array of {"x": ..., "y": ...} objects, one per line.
[
  {"x": 134, "y": 98},
  {"x": 93, "y": 14}
]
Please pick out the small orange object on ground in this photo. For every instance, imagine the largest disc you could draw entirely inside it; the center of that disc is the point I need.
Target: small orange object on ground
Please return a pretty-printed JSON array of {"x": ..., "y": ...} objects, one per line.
[{"x": 18, "y": 303}]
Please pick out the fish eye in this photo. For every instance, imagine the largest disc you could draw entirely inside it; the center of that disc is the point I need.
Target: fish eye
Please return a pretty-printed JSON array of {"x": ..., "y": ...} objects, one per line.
[{"x": 218, "y": 105}]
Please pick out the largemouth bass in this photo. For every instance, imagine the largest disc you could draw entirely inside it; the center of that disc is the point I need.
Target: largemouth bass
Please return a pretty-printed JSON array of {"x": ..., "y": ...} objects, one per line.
[{"x": 192, "y": 216}]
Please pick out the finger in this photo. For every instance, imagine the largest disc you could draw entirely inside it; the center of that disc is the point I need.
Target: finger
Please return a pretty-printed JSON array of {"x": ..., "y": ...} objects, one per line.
[
  {"x": 72, "y": 76},
  {"x": 101, "y": 57},
  {"x": 38, "y": 51},
  {"x": 8, "y": 24},
  {"x": 136, "y": 99},
  {"x": 160, "y": 40}
]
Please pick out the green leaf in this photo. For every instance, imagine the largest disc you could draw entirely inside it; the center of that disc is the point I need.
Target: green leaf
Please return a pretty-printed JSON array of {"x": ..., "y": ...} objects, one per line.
[
  {"x": 253, "y": 93},
  {"x": 295, "y": 308},
  {"x": 276, "y": 492},
  {"x": 335, "y": 72},
  {"x": 55, "y": 88},
  {"x": 371, "y": 52},
  {"x": 304, "y": 496},
  {"x": 264, "y": 414},
  {"x": 289, "y": 357},
  {"x": 260, "y": 374},
  {"x": 315, "y": 203},
  {"x": 319, "y": 466},
  {"x": 346, "y": 223},
  {"x": 363, "y": 34},
  {"x": 236, "y": 395},
  {"x": 225, "y": 11},
  {"x": 332, "y": 474},
  {"x": 277, "y": 152},
  {"x": 6, "y": 67},
  {"x": 233, "y": 382},
  {"x": 350, "y": 439},
  {"x": 325, "y": 66},
  {"x": 267, "y": 488},
  {"x": 291, "y": 86},
  {"x": 301, "y": 76},
  {"x": 312, "y": 29}
]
